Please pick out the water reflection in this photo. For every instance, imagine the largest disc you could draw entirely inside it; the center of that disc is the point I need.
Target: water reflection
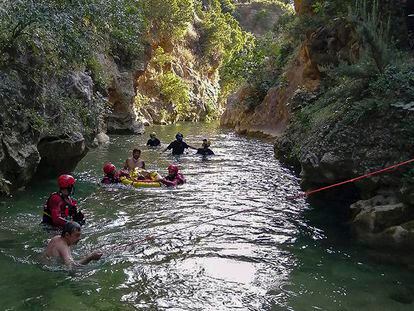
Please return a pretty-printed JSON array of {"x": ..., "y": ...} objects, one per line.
[{"x": 266, "y": 258}]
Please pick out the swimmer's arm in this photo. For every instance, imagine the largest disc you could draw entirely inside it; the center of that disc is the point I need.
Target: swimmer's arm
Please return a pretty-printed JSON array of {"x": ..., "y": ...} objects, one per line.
[
  {"x": 191, "y": 147},
  {"x": 66, "y": 257},
  {"x": 96, "y": 255},
  {"x": 168, "y": 147}
]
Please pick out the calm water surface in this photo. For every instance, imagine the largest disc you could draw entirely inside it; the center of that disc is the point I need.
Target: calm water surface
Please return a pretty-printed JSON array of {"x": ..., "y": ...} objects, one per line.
[{"x": 283, "y": 255}]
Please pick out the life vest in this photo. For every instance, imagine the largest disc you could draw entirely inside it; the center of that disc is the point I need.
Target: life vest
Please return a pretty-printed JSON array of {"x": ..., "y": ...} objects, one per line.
[
  {"x": 69, "y": 208},
  {"x": 177, "y": 179}
]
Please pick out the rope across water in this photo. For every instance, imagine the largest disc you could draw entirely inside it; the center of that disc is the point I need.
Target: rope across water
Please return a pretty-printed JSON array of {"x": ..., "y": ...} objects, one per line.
[{"x": 303, "y": 194}]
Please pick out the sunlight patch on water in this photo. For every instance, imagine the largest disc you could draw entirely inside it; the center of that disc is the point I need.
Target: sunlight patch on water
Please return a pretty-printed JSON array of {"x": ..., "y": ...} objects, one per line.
[{"x": 223, "y": 269}]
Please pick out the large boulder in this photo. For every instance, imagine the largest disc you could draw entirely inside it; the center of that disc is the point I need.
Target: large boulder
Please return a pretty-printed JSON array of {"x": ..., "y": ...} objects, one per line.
[
  {"x": 60, "y": 154},
  {"x": 383, "y": 221},
  {"x": 19, "y": 158}
]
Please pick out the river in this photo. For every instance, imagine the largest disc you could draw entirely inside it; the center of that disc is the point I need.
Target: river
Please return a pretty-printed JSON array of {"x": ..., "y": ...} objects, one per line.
[{"x": 281, "y": 254}]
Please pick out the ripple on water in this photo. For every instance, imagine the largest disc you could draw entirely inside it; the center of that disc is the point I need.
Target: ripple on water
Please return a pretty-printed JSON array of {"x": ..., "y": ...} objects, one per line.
[{"x": 268, "y": 258}]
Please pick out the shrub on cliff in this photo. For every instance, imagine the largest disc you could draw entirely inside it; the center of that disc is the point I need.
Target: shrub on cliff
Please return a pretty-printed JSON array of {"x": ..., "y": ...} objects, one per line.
[
  {"x": 261, "y": 61},
  {"x": 167, "y": 20},
  {"x": 221, "y": 37},
  {"x": 43, "y": 42},
  {"x": 175, "y": 91}
]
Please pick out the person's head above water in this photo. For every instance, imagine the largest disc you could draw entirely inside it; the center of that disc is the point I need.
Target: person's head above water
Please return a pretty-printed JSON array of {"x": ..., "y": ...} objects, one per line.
[
  {"x": 153, "y": 135},
  {"x": 66, "y": 184},
  {"x": 71, "y": 232},
  {"x": 136, "y": 153},
  {"x": 172, "y": 169},
  {"x": 109, "y": 168},
  {"x": 179, "y": 136},
  {"x": 206, "y": 143}
]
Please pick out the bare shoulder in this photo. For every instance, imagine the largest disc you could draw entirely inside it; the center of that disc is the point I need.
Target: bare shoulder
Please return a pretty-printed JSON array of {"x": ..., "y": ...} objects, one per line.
[{"x": 53, "y": 246}]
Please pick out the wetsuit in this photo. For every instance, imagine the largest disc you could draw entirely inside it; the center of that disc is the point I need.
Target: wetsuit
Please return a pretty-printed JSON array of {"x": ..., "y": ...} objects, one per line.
[
  {"x": 173, "y": 181},
  {"x": 177, "y": 147},
  {"x": 205, "y": 151},
  {"x": 57, "y": 209},
  {"x": 153, "y": 142}
]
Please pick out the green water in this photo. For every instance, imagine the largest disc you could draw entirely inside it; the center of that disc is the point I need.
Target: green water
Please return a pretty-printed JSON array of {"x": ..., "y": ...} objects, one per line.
[{"x": 284, "y": 255}]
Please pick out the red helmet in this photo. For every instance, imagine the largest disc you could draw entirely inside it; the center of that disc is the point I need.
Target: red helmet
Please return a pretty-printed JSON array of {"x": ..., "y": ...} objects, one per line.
[
  {"x": 173, "y": 168},
  {"x": 66, "y": 181},
  {"x": 109, "y": 168}
]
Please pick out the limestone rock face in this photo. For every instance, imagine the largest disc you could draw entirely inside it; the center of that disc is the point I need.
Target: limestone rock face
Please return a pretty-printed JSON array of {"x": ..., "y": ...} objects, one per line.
[
  {"x": 80, "y": 85},
  {"x": 323, "y": 48},
  {"x": 303, "y": 7},
  {"x": 122, "y": 117},
  {"x": 331, "y": 146},
  {"x": 44, "y": 138},
  {"x": 184, "y": 64},
  {"x": 19, "y": 159},
  {"x": 258, "y": 17},
  {"x": 269, "y": 118},
  {"x": 382, "y": 221}
]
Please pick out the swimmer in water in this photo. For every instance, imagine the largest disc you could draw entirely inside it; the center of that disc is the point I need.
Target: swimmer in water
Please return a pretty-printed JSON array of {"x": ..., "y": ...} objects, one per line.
[{"x": 59, "y": 246}]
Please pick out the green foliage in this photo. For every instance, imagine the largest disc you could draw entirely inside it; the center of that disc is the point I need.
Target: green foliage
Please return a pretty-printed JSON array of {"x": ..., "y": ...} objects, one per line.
[
  {"x": 259, "y": 64},
  {"x": 174, "y": 90},
  {"x": 42, "y": 41},
  {"x": 227, "y": 6},
  {"x": 64, "y": 33},
  {"x": 395, "y": 83},
  {"x": 212, "y": 111},
  {"x": 160, "y": 58},
  {"x": 221, "y": 37},
  {"x": 141, "y": 101},
  {"x": 374, "y": 32},
  {"x": 168, "y": 19},
  {"x": 261, "y": 18},
  {"x": 99, "y": 76}
]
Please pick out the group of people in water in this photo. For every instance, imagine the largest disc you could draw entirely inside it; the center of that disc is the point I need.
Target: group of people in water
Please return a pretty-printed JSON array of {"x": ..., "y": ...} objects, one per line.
[{"x": 61, "y": 210}]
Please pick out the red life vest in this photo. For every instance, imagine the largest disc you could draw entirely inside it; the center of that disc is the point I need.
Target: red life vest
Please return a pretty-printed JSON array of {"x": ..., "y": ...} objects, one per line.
[{"x": 67, "y": 208}]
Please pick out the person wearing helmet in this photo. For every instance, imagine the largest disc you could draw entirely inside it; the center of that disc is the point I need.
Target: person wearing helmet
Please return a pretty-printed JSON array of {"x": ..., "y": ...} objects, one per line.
[
  {"x": 59, "y": 246},
  {"x": 60, "y": 207},
  {"x": 174, "y": 178},
  {"x": 112, "y": 176},
  {"x": 135, "y": 161},
  {"x": 205, "y": 150},
  {"x": 178, "y": 145},
  {"x": 153, "y": 141}
]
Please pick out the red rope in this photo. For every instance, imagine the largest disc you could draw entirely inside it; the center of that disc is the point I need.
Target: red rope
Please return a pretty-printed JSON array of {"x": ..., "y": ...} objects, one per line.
[{"x": 307, "y": 193}]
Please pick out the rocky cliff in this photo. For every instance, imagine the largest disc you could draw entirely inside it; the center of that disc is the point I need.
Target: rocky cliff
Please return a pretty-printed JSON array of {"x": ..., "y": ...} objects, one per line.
[
  {"x": 271, "y": 116},
  {"x": 46, "y": 139},
  {"x": 330, "y": 132},
  {"x": 176, "y": 84}
]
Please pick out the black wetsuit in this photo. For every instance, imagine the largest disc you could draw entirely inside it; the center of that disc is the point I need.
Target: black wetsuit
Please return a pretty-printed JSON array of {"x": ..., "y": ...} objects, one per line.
[
  {"x": 177, "y": 147},
  {"x": 205, "y": 151},
  {"x": 153, "y": 142}
]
